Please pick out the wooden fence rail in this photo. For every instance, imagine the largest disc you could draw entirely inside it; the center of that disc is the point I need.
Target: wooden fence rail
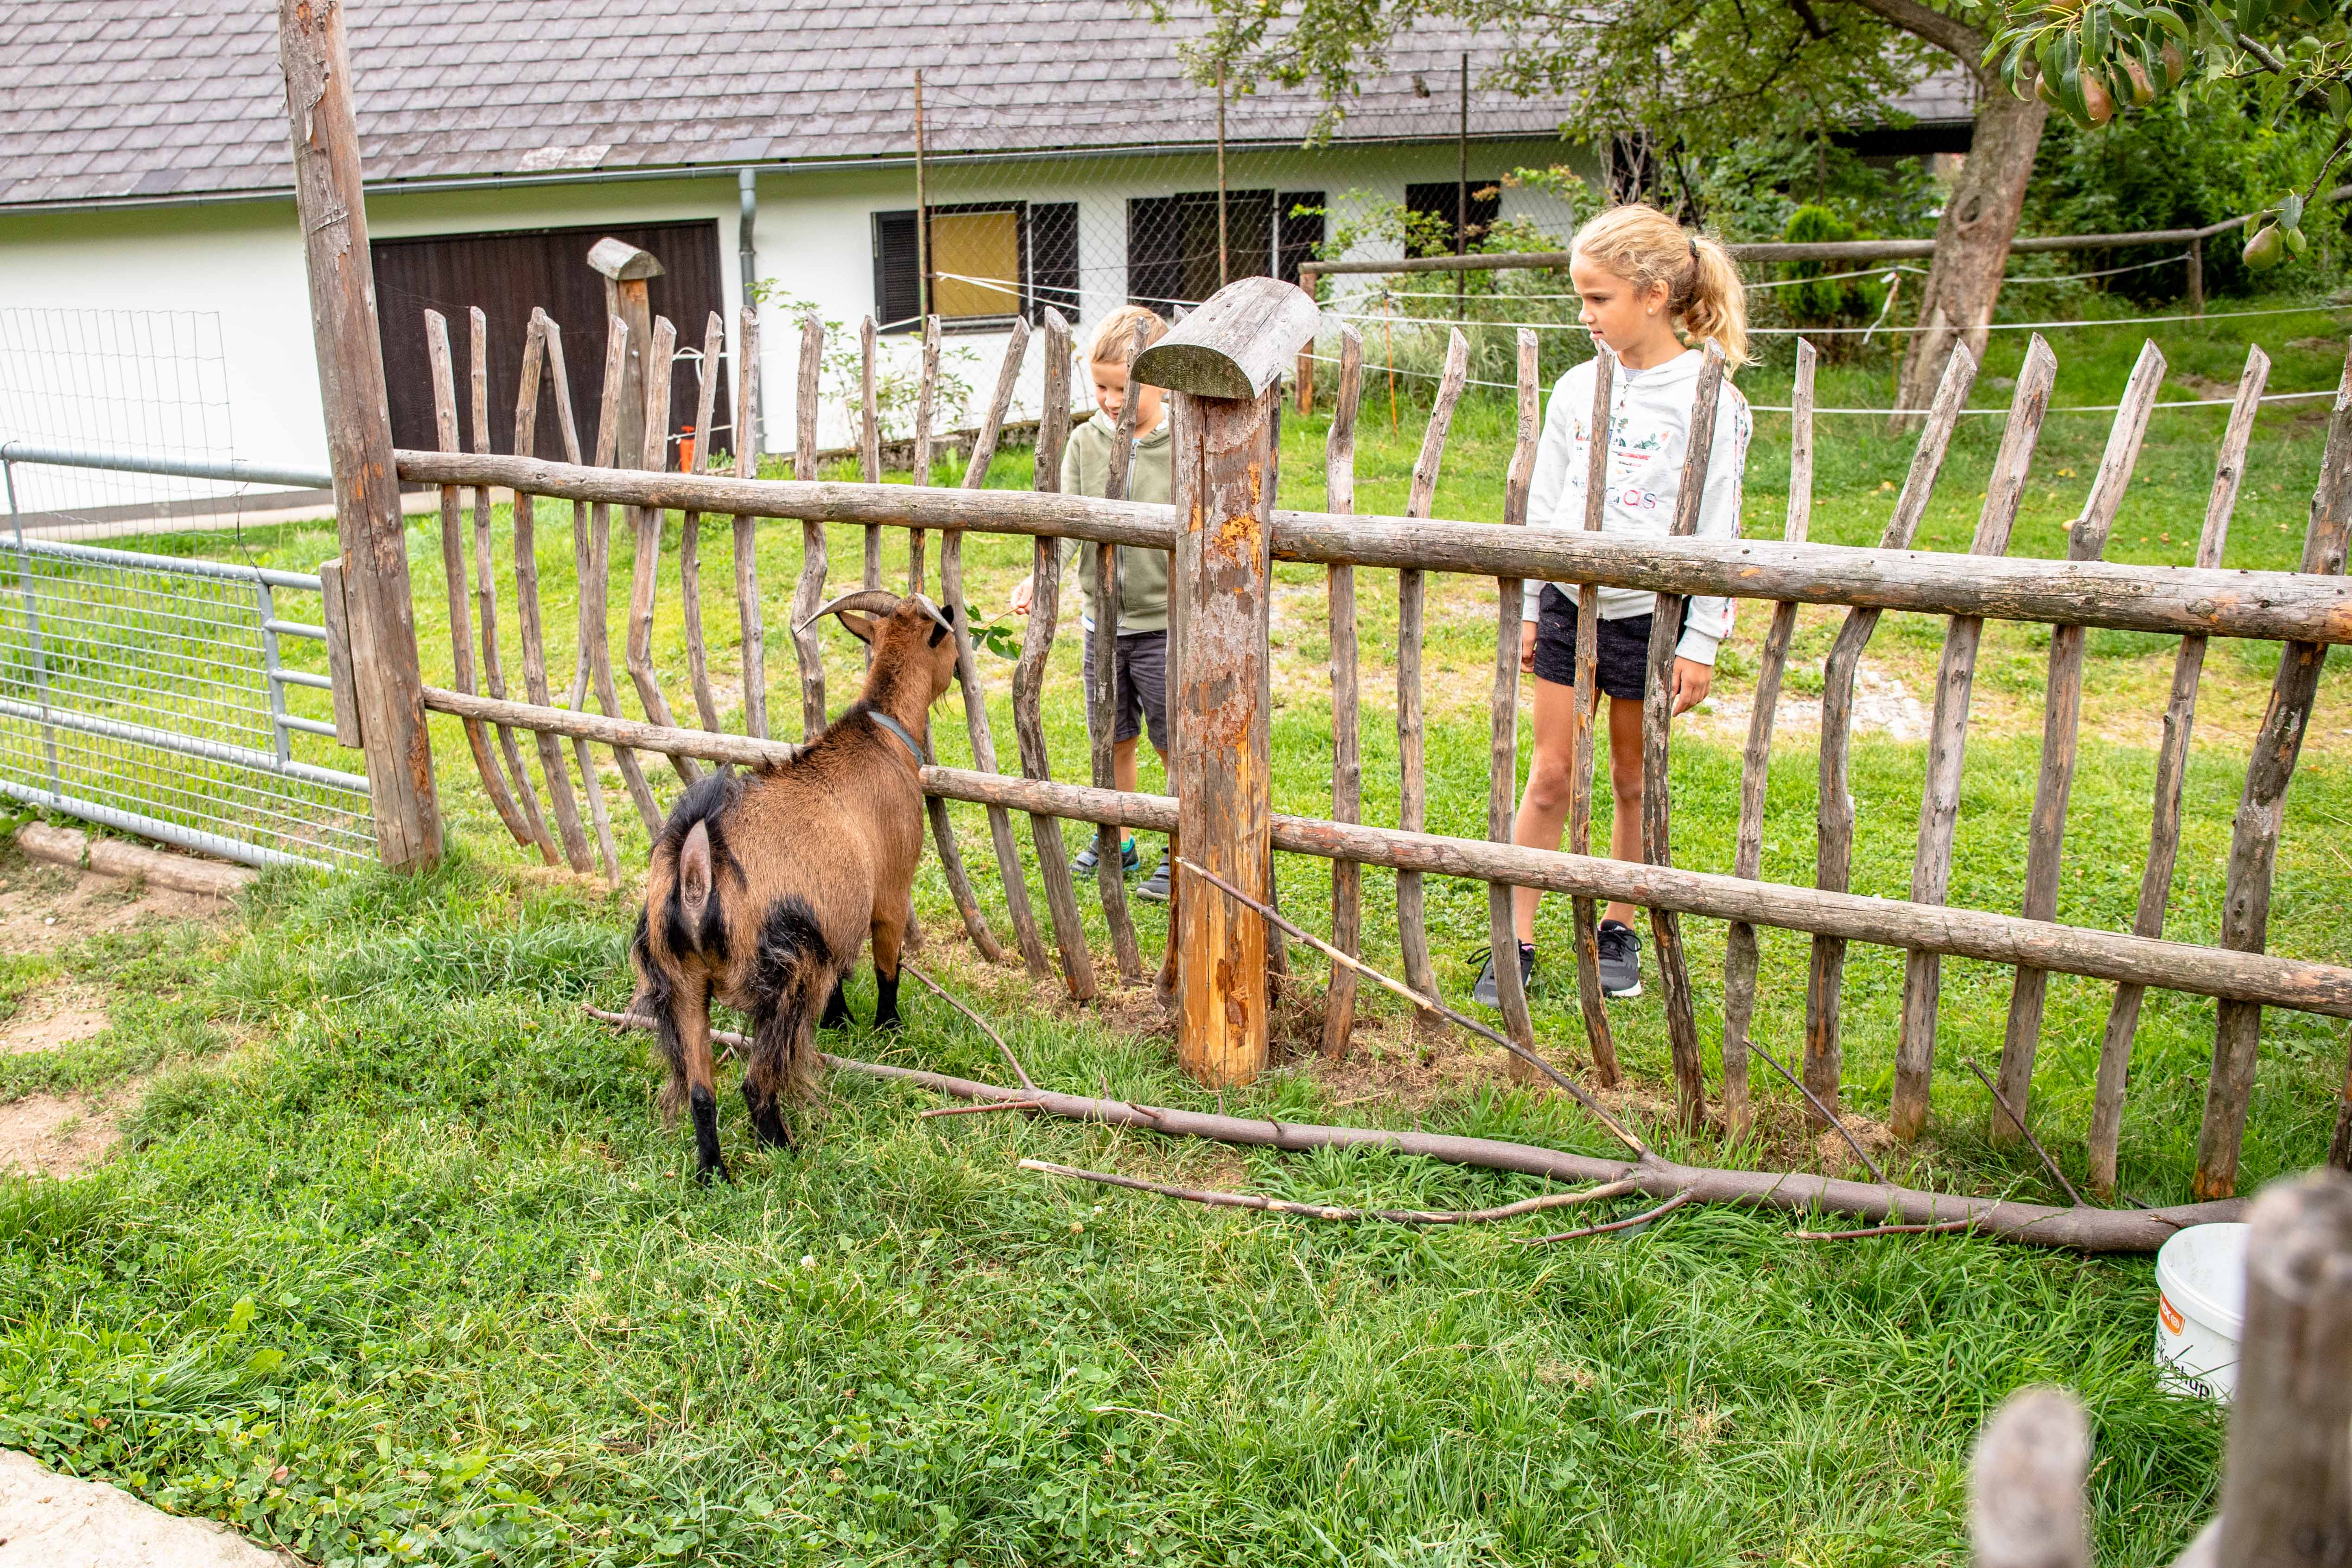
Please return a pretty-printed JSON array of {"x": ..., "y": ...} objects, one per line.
[{"x": 1228, "y": 492}]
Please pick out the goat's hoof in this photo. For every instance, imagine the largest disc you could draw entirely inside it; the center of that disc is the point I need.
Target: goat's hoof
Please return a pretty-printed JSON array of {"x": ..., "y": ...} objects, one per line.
[
  {"x": 704, "y": 1174},
  {"x": 894, "y": 1022}
]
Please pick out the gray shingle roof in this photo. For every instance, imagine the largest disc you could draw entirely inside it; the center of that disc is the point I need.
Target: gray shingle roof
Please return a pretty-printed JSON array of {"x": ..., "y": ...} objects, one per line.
[{"x": 180, "y": 98}]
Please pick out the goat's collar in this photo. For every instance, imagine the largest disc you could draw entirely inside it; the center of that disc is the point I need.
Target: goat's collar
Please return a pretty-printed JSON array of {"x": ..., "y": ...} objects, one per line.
[{"x": 921, "y": 755}]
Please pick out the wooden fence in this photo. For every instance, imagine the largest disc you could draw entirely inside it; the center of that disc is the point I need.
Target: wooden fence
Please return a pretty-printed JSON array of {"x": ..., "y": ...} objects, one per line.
[{"x": 1223, "y": 365}]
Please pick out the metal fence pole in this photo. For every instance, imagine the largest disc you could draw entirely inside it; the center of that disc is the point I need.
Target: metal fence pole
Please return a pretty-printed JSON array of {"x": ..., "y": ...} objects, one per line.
[
  {"x": 279, "y": 742},
  {"x": 33, "y": 627}
]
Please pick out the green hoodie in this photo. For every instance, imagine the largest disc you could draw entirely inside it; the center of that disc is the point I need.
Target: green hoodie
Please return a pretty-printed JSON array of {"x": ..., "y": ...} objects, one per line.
[{"x": 1142, "y": 573}]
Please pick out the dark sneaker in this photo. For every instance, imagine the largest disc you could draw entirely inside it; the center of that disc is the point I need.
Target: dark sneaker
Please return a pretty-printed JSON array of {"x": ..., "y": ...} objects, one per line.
[
  {"x": 1621, "y": 960},
  {"x": 1487, "y": 992},
  {"x": 1155, "y": 891},
  {"x": 1130, "y": 862}
]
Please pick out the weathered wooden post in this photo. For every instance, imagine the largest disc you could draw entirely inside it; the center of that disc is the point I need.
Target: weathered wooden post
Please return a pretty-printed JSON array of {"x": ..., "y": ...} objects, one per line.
[
  {"x": 381, "y": 619},
  {"x": 1223, "y": 362},
  {"x": 624, "y": 270}
]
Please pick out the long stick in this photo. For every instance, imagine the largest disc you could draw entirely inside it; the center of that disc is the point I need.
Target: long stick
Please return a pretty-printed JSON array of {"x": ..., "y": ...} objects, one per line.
[
  {"x": 746, "y": 531},
  {"x": 1739, "y": 949},
  {"x": 1427, "y": 1003},
  {"x": 689, "y": 537},
  {"x": 486, "y": 592},
  {"x": 808, "y": 589},
  {"x": 2016, "y": 1114},
  {"x": 947, "y": 997},
  {"x": 2062, "y": 723},
  {"x": 1413, "y": 787},
  {"x": 2171, "y": 784},
  {"x": 1102, "y": 689},
  {"x": 568, "y": 427},
  {"x": 1940, "y": 802},
  {"x": 1825, "y": 975},
  {"x": 1583, "y": 912},
  {"x": 1347, "y": 764},
  {"x": 1657, "y": 721},
  {"x": 2087, "y": 1230},
  {"x": 1503, "y": 756},
  {"x": 1215, "y": 1199},
  {"x": 535, "y": 685},
  {"x": 1670, "y": 1204},
  {"x": 596, "y": 578},
  {"x": 1821, "y": 1112},
  {"x": 645, "y": 567},
  {"x": 869, "y": 450}
]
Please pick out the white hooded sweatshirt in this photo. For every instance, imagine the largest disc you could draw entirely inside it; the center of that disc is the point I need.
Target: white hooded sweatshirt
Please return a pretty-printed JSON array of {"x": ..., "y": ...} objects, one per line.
[{"x": 1649, "y": 427}]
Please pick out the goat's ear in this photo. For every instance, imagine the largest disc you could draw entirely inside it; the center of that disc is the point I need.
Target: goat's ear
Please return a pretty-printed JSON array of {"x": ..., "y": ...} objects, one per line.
[
  {"x": 860, "y": 626},
  {"x": 939, "y": 631}
]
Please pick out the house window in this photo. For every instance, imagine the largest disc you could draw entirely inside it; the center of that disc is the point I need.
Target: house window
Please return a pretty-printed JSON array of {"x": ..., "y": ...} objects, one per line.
[
  {"x": 990, "y": 262},
  {"x": 1301, "y": 231},
  {"x": 1171, "y": 244},
  {"x": 1437, "y": 203}
]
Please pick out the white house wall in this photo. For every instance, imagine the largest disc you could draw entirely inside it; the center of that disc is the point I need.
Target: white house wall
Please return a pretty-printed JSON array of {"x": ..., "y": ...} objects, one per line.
[{"x": 813, "y": 241}]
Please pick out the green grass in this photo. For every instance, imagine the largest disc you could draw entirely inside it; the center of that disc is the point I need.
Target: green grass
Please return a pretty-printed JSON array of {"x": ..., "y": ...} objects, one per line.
[{"x": 413, "y": 1272}]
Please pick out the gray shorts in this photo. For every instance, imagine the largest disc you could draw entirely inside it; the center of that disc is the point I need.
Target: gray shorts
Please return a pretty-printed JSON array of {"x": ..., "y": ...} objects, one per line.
[{"x": 1139, "y": 670}]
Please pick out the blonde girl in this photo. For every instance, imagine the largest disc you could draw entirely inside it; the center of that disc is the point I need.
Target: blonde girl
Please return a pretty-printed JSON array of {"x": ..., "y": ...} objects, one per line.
[{"x": 1653, "y": 297}]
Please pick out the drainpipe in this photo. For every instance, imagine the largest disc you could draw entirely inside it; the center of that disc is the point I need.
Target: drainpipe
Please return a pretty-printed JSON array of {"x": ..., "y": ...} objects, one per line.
[{"x": 747, "y": 186}]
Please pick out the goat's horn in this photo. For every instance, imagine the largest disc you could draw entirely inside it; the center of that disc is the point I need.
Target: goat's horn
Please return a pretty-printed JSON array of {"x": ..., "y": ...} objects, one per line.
[
  {"x": 932, "y": 610},
  {"x": 880, "y": 600}
]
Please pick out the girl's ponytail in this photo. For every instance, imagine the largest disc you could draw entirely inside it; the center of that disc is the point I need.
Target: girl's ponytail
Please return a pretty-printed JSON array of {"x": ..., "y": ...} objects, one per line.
[{"x": 1644, "y": 246}]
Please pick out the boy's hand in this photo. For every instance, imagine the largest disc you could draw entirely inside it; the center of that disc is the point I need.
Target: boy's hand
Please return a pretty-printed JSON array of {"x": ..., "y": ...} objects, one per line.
[
  {"x": 1022, "y": 592},
  {"x": 1528, "y": 646},
  {"x": 1692, "y": 680}
]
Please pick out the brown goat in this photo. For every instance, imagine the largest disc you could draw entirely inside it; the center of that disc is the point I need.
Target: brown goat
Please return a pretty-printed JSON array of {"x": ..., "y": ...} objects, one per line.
[{"x": 763, "y": 886}]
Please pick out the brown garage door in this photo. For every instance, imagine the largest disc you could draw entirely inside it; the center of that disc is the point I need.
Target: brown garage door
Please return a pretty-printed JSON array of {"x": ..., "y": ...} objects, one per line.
[{"x": 506, "y": 274}]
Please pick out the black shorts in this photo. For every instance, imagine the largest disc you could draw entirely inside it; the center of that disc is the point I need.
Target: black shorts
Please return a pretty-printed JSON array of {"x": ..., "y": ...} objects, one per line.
[
  {"x": 1625, "y": 647},
  {"x": 1139, "y": 684}
]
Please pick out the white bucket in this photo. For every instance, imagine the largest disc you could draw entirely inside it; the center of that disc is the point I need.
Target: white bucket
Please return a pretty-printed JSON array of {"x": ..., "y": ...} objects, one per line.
[{"x": 2201, "y": 1309}]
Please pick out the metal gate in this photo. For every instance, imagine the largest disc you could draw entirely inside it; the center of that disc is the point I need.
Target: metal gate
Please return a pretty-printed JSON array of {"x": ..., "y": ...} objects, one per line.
[{"x": 185, "y": 700}]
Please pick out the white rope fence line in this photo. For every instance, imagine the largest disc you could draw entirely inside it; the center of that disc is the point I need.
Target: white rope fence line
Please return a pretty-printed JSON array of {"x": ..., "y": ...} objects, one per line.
[
  {"x": 1792, "y": 282},
  {"x": 1370, "y": 371},
  {"x": 1381, "y": 319}
]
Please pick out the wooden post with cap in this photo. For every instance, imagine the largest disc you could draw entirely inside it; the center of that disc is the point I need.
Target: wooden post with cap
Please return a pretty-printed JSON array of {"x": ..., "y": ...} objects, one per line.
[
  {"x": 376, "y": 609},
  {"x": 626, "y": 268},
  {"x": 1225, "y": 363}
]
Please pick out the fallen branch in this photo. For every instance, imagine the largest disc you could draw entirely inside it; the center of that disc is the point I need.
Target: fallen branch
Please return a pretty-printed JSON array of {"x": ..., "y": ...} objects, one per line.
[
  {"x": 976, "y": 1110},
  {"x": 1215, "y": 1198},
  {"x": 1938, "y": 1228},
  {"x": 938, "y": 990},
  {"x": 1838, "y": 1122},
  {"x": 1430, "y": 1004},
  {"x": 1675, "y": 1202},
  {"x": 2039, "y": 1225}
]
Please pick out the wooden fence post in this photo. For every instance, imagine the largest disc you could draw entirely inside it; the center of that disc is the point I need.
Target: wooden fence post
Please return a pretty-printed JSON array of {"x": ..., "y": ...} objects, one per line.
[
  {"x": 1224, "y": 364},
  {"x": 626, "y": 270},
  {"x": 382, "y": 620}
]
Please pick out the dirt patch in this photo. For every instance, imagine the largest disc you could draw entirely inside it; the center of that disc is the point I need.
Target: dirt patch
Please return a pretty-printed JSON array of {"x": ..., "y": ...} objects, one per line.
[
  {"x": 53, "y": 1136},
  {"x": 1882, "y": 705},
  {"x": 54, "y": 1017},
  {"x": 44, "y": 908}
]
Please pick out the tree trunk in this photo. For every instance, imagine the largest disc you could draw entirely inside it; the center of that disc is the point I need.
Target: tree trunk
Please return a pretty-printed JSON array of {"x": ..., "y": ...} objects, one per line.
[{"x": 1972, "y": 242}]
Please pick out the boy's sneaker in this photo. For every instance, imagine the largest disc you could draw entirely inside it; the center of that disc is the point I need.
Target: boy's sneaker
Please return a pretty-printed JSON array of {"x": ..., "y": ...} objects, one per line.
[
  {"x": 1487, "y": 992},
  {"x": 1155, "y": 891},
  {"x": 1088, "y": 858},
  {"x": 1621, "y": 960}
]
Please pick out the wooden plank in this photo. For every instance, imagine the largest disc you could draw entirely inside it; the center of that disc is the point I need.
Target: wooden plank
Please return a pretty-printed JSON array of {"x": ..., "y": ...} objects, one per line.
[
  {"x": 645, "y": 567},
  {"x": 1939, "y": 803},
  {"x": 689, "y": 536},
  {"x": 747, "y": 541},
  {"x": 1110, "y": 873},
  {"x": 568, "y": 427},
  {"x": 1413, "y": 779},
  {"x": 1346, "y": 760},
  {"x": 2026, "y": 1483},
  {"x": 1503, "y": 714},
  {"x": 2061, "y": 726},
  {"x": 329, "y": 199},
  {"x": 339, "y": 654},
  {"x": 1225, "y": 459},
  {"x": 596, "y": 576},
  {"x": 1739, "y": 951},
  {"x": 2286, "y": 1485},
  {"x": 2173, "y": 600},
  {"x": 808, "y": 590},
  {"x": 2262, "y": 810},
  {"x": 1583, "y": 912},
  {"x": 528, "y": 618},
  {"x": 1834, "y": 813},
  {"x": 453, "y": 570},
  {"x": 925, "y": 412},
  {"x": 2301, "y": 985},
  {"x": 486, "y": 590},
  {"x": 1657, "y": 721},
  {"x": 975, "y": 694},
  {"x": 2171, "y": 783},
  {"x": 1029, "y": 672}
]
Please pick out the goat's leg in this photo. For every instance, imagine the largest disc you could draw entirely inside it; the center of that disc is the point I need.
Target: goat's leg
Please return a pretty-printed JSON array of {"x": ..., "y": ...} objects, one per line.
[
  {"x": 888, "y": 935},
  {"x": 779, "y": 1035},
  {"x": 688, "y": 1024},
  {"x": 837, "y": 1009}
]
